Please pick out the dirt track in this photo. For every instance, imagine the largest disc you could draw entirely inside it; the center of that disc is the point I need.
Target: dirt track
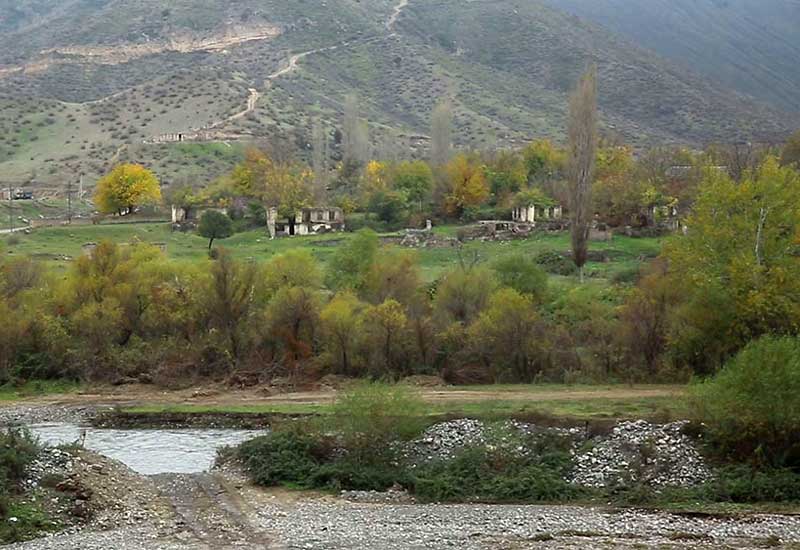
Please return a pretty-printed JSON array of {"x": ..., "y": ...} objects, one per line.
[{"x": 147, "y": 395}]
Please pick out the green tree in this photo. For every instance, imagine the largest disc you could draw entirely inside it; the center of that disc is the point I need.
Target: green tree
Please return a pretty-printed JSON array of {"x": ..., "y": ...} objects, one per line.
[
  {"x": 214, "y": 225},
  {"x": 293, "y": 321},
  {"x": 581, "y": 164},
  {"x": 294, "y": 268},
  {"x": 386, "y": 335},
  {"x": 415, "y": 179},
  {"x": 125, "y": 188},
  {"x": 349, "y": 265},
  {"x": 341, "y": 328},
  {"x": 462, "y": 294},
  {"x": 229, "y": 301},
  {"x": 737, "y": 267},
  {"x": 751, "y": 408},
  {"x": 791, "y": 151},
  {"x": 506, "y": 336},
  {"x": 523, "y": 275},
  {"x": 392, "y": 275}
]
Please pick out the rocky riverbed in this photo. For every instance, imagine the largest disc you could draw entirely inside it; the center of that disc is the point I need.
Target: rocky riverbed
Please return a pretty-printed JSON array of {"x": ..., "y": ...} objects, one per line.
[{"x": 112, "y": 507}]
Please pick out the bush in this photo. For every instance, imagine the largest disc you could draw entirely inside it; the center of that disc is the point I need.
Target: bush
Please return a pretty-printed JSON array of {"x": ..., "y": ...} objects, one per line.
[
  {"x": 554, "y": 263},
  {"x": 17, "y": 450},
  {"x": 752, "y": 406},
  {"x": 371, "y": 415},
  {"x": 281, "y": 458},
  {"x": 500, "y": 473}
]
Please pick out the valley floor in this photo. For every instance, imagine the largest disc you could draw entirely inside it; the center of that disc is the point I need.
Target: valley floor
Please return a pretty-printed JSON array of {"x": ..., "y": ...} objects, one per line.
[{"x": 212, "y": 511}]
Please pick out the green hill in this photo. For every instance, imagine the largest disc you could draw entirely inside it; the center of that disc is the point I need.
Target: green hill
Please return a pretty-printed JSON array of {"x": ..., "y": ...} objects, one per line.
[
  {"x": 87, "y": 83},
  {"x": 751, "y": 46}
]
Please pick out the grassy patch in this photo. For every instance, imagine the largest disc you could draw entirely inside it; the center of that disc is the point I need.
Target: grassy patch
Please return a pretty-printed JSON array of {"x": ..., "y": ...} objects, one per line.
[
  {"x": 54, "y": 243},
  {"x": 582, "y": 407},
  {"x": 38, "y": 387}
]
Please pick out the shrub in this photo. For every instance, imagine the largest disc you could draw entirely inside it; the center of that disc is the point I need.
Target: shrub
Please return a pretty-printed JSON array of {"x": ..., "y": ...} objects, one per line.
[
  {"x": 752, "y": 406},
  {"x": 282, "y": 457},
  {"x": 500, "y": 473},
  {"x": 371, "y": 415},
  {"x": 554, "y": 263}
]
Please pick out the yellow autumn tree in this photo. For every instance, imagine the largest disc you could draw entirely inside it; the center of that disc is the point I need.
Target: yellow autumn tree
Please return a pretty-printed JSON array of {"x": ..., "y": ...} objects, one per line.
[
  {"x": 126, "y": 187},
  {"x": 467, "y": 185}
]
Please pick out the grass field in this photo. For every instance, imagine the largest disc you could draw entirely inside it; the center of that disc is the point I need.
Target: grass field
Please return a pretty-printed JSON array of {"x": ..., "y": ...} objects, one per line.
[{"x": 54, "y": 244}]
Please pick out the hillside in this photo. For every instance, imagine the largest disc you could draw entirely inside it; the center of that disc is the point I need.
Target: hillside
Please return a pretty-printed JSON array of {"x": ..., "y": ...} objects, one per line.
[
  {"x": 750, "y": 46},
  {"x": 87, "y": 83}
]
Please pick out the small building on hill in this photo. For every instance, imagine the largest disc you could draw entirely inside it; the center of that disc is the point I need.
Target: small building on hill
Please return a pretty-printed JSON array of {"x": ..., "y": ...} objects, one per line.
[{"x": 310, "y": 221}]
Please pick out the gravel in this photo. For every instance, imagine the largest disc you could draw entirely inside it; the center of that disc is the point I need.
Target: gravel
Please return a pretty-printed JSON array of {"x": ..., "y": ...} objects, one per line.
[
  {"x": 321, "y": 525},
  {"x": 22, "y": 415},
  {"x": 636, "y": 451},
  {"x": 657, "y": 455}
]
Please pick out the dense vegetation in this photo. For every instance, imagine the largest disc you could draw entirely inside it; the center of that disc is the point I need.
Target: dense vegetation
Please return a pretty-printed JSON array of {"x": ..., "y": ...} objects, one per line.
[
  {"x": 18, "y": 520},
  {"x": 363, "y": 446}
]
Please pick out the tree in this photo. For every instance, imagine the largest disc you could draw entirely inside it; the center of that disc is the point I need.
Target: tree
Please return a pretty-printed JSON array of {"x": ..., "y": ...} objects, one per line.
[
  {"x": 466, "y": 184},
  {"x": 462, "y": 294},
  {"x": 282, "y": 184},
  {"x": 385, "y": 328},
  {"x": 737, "y": 267},
  {"x": 581, "y": 162},
  {"x": 294, "y": 268},
  {"x": 355, "y": 133},
  {"x": 505, "y": 335},
  {"x": 523, "y": 275},
  {"x": 507, "y": 175},
  {"x": 184, "y": 197},
  {"x": 415, "y": 179},
  {"x": 351, "y": 262},
  {"x": 229, "y": 300},
  {"x": 126, "y": 187},
  {"x": 320, "y": 156},
  {"x": 341, "y": 327},
  {"x": 441, "y": 133},
  {"x": 293, "y": 321},
  {"x": 393, "y": 275},
  {"x": 791, "y": 151},
  {"x": 215, "y": 225}
]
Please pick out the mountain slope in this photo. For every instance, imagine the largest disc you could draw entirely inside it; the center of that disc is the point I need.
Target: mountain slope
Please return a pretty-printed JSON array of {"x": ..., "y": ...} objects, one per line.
[
  {"x": 87, "y": 83},
  {"x": 753, "y": 46}
]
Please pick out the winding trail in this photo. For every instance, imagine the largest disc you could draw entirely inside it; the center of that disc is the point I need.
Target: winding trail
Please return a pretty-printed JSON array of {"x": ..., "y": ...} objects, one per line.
[
  {"x": 398, "y": 11},
  {"x": 208, "y": 132}
]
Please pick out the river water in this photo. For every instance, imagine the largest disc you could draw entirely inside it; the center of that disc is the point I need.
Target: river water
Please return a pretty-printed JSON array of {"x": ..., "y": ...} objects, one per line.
[{"x": 149, "y": 452}]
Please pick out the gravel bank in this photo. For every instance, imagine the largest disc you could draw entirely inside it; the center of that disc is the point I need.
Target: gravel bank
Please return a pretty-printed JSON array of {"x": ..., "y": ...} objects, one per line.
[
  {"x": 21, "y": 415},
  {"x": 332, "y": 525}
]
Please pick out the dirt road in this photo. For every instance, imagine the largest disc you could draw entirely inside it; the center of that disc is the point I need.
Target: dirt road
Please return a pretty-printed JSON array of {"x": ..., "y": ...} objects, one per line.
[{"x": 219, "y": 397}]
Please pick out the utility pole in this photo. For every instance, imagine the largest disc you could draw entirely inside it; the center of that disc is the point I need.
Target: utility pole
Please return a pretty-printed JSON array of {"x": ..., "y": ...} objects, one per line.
[
  {"x": 10, "y": 209},
  {"x": 69, "y": 202}
]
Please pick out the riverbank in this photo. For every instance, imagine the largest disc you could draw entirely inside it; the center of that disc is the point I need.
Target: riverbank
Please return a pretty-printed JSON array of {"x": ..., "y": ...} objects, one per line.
[{"x": 222, "y": 509}]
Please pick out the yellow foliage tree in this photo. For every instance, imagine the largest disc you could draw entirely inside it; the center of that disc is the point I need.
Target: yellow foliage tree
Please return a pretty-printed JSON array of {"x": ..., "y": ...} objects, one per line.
[
  {"x": 125, "y": 188},
  {"x": 467, "y": 185}
]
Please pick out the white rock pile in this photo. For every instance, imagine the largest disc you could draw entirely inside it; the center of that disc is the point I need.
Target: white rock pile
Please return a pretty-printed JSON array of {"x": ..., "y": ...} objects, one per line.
[
  {"x": 633, "y": 452},
  {"x": 637, "y": 451}
]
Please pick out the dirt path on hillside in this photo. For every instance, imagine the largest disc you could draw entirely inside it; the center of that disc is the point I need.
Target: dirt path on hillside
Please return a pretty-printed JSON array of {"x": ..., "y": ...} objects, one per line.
[{"x": 396, "y": 13}]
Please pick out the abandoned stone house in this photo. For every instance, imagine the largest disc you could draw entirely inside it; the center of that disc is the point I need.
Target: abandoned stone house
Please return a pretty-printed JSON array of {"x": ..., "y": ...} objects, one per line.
[
  {"x": 310, "y": 221},
  {"x": 531, "y": 213},
  {"x": 182, "y": 214}
]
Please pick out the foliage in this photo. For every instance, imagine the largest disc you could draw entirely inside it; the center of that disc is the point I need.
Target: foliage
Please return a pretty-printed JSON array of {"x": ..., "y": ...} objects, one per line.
[
  {"x": 126, "y": 187},
  {"x": 523, "y": 275},
  {"x": 341, "y": 328},
  {"x": 582, "y": 130},
  {"x": 285, "y": 185},
  {"x": 415, "y": 179},
  {"x": 507, "y": 334},
  {"x": 350, "y": 263},
  {"x": 499, "y": 474},
  {"x": 751, "y": 407},
  {"x": 737, "y": 267},
  {"x": 17, "y": 450},
  {"x": 791, "y": 151},
  {"x": 554, "y": 263},
  {"x": 466, "y": 185},
  {"x": 214, "y": 225},
  {"x": 462, "y": 294}
]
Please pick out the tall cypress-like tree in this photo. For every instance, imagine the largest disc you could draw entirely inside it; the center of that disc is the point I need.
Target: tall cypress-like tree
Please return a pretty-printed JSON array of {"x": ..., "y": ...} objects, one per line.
[{"x": 582, "y": 157}]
